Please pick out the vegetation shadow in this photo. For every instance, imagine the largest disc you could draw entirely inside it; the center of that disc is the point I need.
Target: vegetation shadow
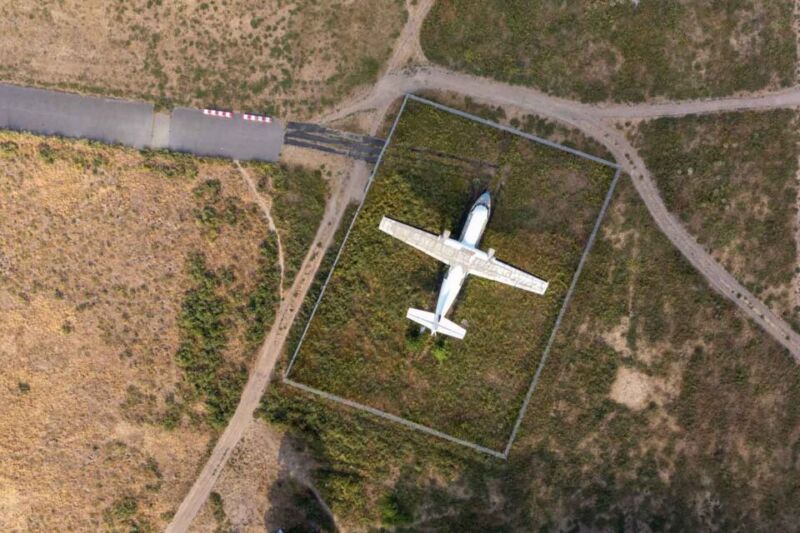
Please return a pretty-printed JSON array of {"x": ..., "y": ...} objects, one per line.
[{"x": 295, "y": 506}]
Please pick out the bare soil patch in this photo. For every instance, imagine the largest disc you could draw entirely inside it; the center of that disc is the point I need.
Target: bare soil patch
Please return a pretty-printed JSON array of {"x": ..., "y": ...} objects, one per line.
[{"x": 631, "y": 388}]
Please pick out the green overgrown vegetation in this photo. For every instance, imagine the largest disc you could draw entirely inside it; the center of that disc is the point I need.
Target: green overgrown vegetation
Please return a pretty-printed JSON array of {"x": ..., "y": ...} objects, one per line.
[
  {"x": 394, "y": 511},
  {"x": 620, "y": 50},
  {"x": 223, "y": 318},
  {"x": 211, "y": 313},
  {"x": 220, "y": 311},
  {"x": 218, "y": 510},
  {"x": 298, "y": 203},
  {"x": 545, "y": 202},
  {"x": 122, "y": 515},
  {"x": 299, "y": 324},
  {"x": 264, "y": 299},
  {"x": 732, "y": 179},
  {"x": 533, "y": 124},
  {"x": 8, "y": 149},
  {"x": 217, "y": 209},
  {"x": 170, "y": 164},
  {"x": 205, "y": 324},
  {"x": 714, "y": 446}
]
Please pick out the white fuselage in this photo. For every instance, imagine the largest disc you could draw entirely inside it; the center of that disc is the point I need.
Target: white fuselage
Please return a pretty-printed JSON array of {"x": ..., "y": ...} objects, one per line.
[{"x": 470, "y": 236}]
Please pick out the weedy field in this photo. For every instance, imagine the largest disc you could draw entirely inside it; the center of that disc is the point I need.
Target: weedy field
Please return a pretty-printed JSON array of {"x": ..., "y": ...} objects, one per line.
[
  {"x": 291, "y": 58},
  {"x": 732, "y": 179},
  {"x": 134, "y": 289},
  {"x": 660, "y": 408},
  {"x": 618, "y": 50},
  {"x": 359, "y": 344}
]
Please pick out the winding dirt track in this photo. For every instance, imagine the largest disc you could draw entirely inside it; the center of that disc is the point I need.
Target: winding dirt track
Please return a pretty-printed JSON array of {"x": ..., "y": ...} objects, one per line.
[
  {"x": 599, "y": 122},
  {"x": 596, "y": 121}
]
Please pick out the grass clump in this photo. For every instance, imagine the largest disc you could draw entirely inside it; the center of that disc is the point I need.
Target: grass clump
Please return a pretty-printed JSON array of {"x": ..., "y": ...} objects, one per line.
[
  {"x": 217, "y": 210},
  {"x": 8, "y": 148},
  {"x": 122, "y": 514},
  {"x": 170, "y": 164},
  {"x": 218, "y": 510},
  {"x": 393, "y": 511},
  {"x": 264, "y": 299}
]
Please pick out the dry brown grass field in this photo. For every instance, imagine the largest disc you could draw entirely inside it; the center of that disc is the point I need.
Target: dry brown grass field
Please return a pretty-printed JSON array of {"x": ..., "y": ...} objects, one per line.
[
  {"x": 276, "y": 56},
  {"x": 103, "y": 427}
]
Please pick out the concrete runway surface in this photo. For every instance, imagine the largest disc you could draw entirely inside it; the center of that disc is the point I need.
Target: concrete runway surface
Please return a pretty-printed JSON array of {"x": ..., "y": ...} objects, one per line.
[{"x": 136, "y": 124}]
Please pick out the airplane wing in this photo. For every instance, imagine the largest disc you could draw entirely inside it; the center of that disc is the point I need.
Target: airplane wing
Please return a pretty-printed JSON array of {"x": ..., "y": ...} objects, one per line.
[
  {"x": 453, "y": 252},
  {"x": 496, "y": 270},
  {"x": 435, "y": 246}
]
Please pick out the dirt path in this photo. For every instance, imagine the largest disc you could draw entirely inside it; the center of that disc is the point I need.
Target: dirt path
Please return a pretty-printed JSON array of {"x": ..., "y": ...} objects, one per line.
[
  {"x": 268, "y": 353},
  {"x": 717, "y": 276},
  {"x": 395, "y": 84},
  {"x": 794, "y": 297},
  {"x": 766, "y": 100},
  {"x": 407, "y": 48},
  {"x": 266, "y": 207}
]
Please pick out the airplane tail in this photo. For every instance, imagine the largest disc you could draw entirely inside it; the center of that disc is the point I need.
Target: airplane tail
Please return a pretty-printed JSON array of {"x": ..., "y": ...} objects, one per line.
[{"x": 428, "y": 320}]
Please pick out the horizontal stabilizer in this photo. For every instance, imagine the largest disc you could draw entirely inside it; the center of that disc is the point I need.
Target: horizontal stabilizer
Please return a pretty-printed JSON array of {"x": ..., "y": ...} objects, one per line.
[{"x": 428, "y": 320}]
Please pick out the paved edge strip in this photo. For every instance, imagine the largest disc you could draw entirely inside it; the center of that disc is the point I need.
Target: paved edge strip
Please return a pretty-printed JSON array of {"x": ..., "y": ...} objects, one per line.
[
  {"x": 344, "y": 241},
  {"x": 587, "y": 248},
  {"x": 515, "y": 131},
  {"x": 562, "y": 312},
  {"x": 394, "y": 418}
]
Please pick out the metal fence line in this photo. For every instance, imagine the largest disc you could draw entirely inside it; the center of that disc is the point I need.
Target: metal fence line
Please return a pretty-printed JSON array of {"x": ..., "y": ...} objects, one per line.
[
  {"x": 562, "y": 312},
  {"x": 587, "y": 248},
  {"x": 395, "y": 418},
  {"x": 515, "y": 131},
  {"x": 344, "y": 241}
]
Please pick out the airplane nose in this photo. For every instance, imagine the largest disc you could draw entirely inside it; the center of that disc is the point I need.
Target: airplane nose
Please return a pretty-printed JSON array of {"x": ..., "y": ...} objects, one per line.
[{"x": 486, "y": 199}]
